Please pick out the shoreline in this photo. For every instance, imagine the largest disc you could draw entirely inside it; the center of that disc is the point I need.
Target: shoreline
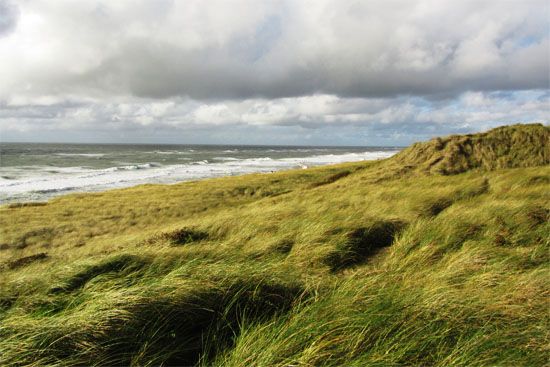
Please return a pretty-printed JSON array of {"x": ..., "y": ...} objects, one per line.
[
  {"x": 70, "y": 180},
  {"x": 244, "y": 176}
]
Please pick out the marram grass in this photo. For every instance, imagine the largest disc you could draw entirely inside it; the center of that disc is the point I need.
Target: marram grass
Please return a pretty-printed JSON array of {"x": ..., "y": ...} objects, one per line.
[{"x": 418, "y": 260}]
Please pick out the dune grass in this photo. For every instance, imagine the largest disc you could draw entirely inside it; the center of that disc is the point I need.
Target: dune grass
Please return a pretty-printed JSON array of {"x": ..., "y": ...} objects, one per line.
[{"x": 363, "y": 264}]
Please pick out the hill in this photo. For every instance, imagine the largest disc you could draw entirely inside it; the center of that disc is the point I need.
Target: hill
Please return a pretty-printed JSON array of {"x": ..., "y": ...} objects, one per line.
[
  {"x": 437, "y": 256},
  {"x": 503, "y": 147}
]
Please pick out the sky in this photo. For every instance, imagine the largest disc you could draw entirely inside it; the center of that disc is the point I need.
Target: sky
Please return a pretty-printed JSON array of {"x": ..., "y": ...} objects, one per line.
[{"x": 319, "y": 72}]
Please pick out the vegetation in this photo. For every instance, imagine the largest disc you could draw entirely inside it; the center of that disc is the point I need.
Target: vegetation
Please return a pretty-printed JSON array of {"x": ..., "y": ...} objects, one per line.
[{"x": 438, "y": 256}]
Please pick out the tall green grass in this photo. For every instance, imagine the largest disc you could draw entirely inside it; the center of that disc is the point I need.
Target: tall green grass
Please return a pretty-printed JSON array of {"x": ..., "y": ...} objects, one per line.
[{"x": 364, "y": 264}]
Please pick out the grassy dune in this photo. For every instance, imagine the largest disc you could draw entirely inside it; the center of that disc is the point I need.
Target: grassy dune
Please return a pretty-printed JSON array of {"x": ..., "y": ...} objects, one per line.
[{"x": 438, "y": 256}]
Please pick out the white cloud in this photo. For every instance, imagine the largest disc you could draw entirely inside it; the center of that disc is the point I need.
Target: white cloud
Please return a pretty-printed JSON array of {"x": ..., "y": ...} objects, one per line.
[
  {"x": 127, "y": 65},
  {"x": 215, "y": 114},
  {"x": 308, "y": 112}
]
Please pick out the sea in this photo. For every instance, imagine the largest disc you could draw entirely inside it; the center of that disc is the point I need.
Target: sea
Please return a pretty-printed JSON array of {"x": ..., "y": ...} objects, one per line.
[{"x": 39, "y": 171}]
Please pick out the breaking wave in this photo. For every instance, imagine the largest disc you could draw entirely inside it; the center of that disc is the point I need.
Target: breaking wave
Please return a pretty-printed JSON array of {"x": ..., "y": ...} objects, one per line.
[{"x": 43, "y": 182}]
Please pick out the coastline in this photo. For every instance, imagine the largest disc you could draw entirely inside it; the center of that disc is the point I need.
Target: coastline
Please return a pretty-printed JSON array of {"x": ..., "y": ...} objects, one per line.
[
  {"x": 256, "y": 179},
  {"x": 56, "y": 181}
]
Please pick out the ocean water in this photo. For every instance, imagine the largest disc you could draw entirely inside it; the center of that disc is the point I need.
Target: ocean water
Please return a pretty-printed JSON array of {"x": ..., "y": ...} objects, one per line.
[{"x": 37, "y": 172}]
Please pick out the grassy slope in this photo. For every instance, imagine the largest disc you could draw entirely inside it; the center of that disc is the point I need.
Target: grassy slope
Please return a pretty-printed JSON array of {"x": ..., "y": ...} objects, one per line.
[{"x": 394, "y": 262}]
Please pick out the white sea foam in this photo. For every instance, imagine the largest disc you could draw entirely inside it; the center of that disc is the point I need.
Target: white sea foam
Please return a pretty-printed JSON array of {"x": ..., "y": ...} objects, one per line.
[
  {"x": 168, "y": 152},
  {"x": 91, "y": 155},
  {"x": 42, "y": 182}
]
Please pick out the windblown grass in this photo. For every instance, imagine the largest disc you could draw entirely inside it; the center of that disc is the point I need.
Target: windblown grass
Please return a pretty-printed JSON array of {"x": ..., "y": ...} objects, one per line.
[{"x": 394, "y": 262}]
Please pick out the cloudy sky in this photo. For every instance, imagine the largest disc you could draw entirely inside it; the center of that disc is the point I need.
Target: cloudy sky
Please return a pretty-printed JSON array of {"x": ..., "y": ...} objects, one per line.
[{"x": 320, "y": 72}]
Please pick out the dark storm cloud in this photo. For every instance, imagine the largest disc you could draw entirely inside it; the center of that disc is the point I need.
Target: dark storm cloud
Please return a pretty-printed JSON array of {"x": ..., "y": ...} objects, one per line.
[
  {"x": 240, "y": 49},
  {"x": 160, "y": 71}
]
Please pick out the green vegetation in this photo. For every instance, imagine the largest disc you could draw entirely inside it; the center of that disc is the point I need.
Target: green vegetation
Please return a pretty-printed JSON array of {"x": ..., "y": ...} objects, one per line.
[{"x": 438, "y": 256}]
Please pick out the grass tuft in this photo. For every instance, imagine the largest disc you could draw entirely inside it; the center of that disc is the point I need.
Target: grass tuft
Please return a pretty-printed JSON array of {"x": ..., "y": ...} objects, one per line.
[
  {"x": 331, "y": 179},
  {"x": 120, "y": 264},
  {"x": 184, "y": 236},
  {"x": 362, "y": 243},
  {"x": 26, "y": 260}
]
